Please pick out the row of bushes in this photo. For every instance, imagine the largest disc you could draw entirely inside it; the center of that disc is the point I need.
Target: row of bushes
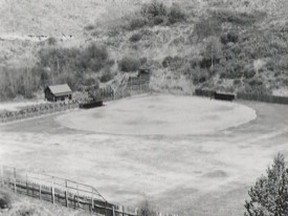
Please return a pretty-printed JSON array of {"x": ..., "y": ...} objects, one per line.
[{"x": 155, "y": 13}]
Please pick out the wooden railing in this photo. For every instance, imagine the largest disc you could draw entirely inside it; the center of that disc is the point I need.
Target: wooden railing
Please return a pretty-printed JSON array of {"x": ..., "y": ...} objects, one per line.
[{"x": 60, "y": 191}]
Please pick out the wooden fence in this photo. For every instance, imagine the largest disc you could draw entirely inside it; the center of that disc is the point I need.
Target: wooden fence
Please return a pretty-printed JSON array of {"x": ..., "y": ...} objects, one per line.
[
  {"x": 263, "y": 98},
  {"x": 242, "y": 96},
  {"x": 135, "y": 85},
  {"x": 61, "y": 191},
  {"x": 205, "y": 93},
  {"x": 37, "y": 110}
]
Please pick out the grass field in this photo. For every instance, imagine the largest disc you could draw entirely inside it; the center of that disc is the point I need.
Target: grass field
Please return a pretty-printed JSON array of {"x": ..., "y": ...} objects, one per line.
[{"x": 206, "y": 173}]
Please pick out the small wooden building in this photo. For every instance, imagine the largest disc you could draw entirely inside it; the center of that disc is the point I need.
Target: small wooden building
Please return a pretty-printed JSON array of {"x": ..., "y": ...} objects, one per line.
[{"x": 58, "y": 93}]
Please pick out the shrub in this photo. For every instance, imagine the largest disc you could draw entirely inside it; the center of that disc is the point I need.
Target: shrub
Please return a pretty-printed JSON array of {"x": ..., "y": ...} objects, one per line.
[
  {"x": 206, "y": 27},
  {"x": 176, "y": 14},
  {"x": 5, "y": 200},
  {"x": 154, "y": 9},
  {"x": 158, "y": 20},
  {"x": 270, "y": 193},
  {"x": 107, "y": 75},
  {"x": 154, "y": 13},
  {"x": 136, "y": 23},
  {"x": 213, "y": 51},
  {"x": 52, "y": 41},
  {"x": 236, "y": 81},
  {"x": 199, "y": 75},
  {"x": 135, "y": 37},
  {"x": 167, "y": 61},
  {"x": 94, "y": 57},
  {"x": 229, "y": 37},
  {"x": 143, "y": 60},
  {"x": 89, "y": 27},
  {"x": 283, "y": 63},
  {"x": 146, "y": 210},
  {"x": 129, "y": 64},
  {"x": 249, "y": 72},
  {"x": 173, "y": 62},
  {"x": 256, "y": 86},
  {"x": 235, "y": 17}
]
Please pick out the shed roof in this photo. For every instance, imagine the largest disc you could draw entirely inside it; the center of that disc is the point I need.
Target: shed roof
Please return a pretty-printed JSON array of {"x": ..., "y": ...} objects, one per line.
[{"x": 60, "y": 90}]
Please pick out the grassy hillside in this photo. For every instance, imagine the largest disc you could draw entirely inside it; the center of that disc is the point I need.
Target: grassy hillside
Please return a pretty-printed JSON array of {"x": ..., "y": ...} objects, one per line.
[{"x": 223, "y": 44}]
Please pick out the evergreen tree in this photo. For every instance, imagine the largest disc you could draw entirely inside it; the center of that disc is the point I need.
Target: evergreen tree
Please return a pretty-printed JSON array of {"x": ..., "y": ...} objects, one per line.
[{"x": 269, "y": 196}]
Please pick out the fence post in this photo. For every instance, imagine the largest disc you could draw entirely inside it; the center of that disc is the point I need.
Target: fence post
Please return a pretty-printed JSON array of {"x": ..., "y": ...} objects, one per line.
[
  {"x": 66, "y": 193},
  {"x": 113, "y": 209},
  {"x": 78, "y": 205},
  {"x": 15, "y": 186},
  {"x": 40, "y": 191},
  {"x": 2, "y": 176},
  {"x": 27, "y": 189},
  {"x": 53, "y": 190},
  {"x": 92, "y": 200}
]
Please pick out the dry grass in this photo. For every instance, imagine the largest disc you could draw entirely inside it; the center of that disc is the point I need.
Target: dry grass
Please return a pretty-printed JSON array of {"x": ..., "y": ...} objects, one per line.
[{"x": 25, "y": 206}]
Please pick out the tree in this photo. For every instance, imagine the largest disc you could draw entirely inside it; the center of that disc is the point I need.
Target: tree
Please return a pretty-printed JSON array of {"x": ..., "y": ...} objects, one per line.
[
  {"x": 269, "y": 196},
  {"x": 213, "y": 50}
]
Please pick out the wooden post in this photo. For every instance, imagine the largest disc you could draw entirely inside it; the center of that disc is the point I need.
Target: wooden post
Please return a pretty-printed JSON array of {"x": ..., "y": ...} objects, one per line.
[
  {"x": 78, "y": 205},
  {"x": 27, "y": 189},
  {"x": 2, "y": 176},
  {"x": 40, "y": 191},
  {"x": 53, "y": 190},
  {"x": 66, "y": 193},
  {"x": 92, "y": 201},
  {"x": 15, "y": 186},
  {"x": 113, "y": 208}
]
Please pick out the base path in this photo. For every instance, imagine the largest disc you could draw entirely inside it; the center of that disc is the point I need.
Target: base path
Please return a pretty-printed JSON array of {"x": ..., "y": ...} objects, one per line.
[{"x": 160, "y": 115}]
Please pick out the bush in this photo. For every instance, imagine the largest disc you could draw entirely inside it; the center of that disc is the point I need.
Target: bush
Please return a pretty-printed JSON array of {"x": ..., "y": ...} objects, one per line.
[
  {"x": 155, "y": 13},
  {"x": 229, "y": 37},
  {"x": 52, "y": 41},
  {"x": 176, "y": 15},
  {"x": 207, "y": 27},
  {"x": 235, "y": 17},
  {"x": 135, "y": 37},
  {"x": 136, "y": 23},
  {"x": 199, "y": 75},
  {"x": 89, "y": 27},
  {"x": 146, "y": 210},
  {"x": 129, "y": 64},
  {"x": 270, "y": 193},
  {"x": 249, "y": 72},
  {"x": 167, "y": 61},
  {"x": 94, "y": 57},
  {"x": 213, "y": 52},
  {"x": 107, "y": 75},
  {"x": 154, "y": 9},
  {"x": 173, "y": 63},
  {"x": 256, "y": 86},
  {"x": 5, "y": 200}
]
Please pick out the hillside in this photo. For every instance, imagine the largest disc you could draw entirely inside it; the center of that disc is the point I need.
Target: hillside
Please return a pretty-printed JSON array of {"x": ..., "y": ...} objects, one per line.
[{"x": 223, "y": 44}]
